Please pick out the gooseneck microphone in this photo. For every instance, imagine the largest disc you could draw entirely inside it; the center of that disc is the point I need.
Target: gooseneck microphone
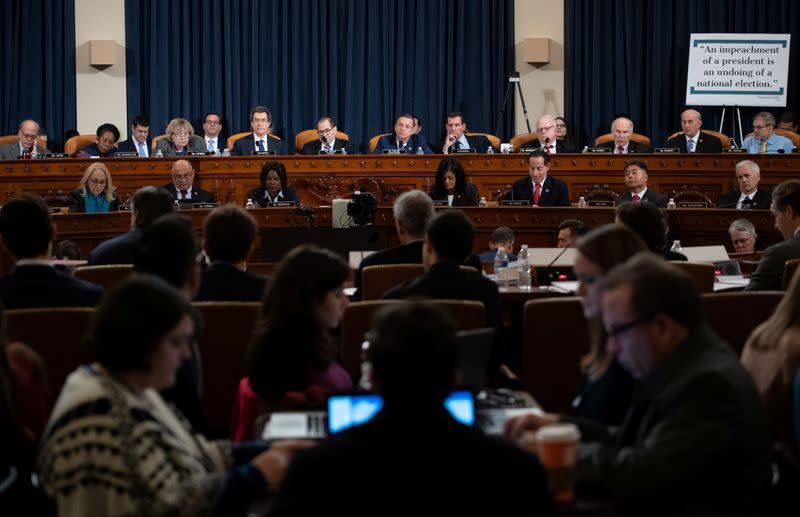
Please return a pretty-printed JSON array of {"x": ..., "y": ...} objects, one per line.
[{"x": 546, "y": 272}]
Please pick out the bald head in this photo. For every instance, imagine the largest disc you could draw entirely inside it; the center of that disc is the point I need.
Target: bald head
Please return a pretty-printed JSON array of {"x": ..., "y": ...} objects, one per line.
[
  {"x": 691, "y": 122},
  {"x": 28, "y": 131},
  {"x": 622, "y": 128},
  {"x": 546, "y": 129},
  {"x": 182, "y": 175}
]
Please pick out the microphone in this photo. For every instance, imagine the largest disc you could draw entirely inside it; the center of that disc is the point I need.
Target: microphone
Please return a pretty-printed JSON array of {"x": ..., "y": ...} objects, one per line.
[
  {"x": 781, "y": 151},
  {"x": 545, "y": 273},
  {"x": 324, "y": 138},
  {"x": 546, "y": 143}
]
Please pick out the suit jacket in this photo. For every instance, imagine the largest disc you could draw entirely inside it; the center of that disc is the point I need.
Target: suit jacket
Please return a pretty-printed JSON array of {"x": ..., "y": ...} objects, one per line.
[
  {"x": 390, "y": 142},
  {"x": 246, "y": 146},
  {"x": 562, "y": 146},
  {"x": 77, "y": 202},
  {"x": 259, "y": 196},
  {"x": 705, "y": 143},
  {"x": 456, "y": 470},
  {"x": 761, "y": 200},
  {"x": 650, "y": 195},
  {"x": 196, "y": 145},
  {"x": 633, "y": 147},
  {"x": 37, "y": 286},
  {"x": 10, "y": 151},
  {"x": 554, "y": 191},
  {"x": 478, "y": 142},
  {"x": 131, "y": 145},
  {"x": 92, "y": 150},
  {"x": 466, "y": 196},
  {"x": 410, "y": 253},
  {"x": 314, "y": 146},
  {"x": 223, "y": 281},
  {"x": 695, "y": 441},
  {"x": 119, "y": 250},
  {"x": 198, "y": 195},
  {"x": 768, "y": 275}
]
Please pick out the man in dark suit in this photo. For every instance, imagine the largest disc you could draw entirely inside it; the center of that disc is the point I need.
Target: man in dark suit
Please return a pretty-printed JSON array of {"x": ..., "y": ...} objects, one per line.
[
  {"x": 456, "y": 140},
  {"x": 327, "y": 142},
  {"x": 138, "y": 142},
  {"x": 622, "y": 129},
  {"x": 454, "y": 469},
  {"x": 403, "y": 138},
  {"x": 229, "y": 233},
  {"x": 212, "y": 132},
  {"x": 28, "y": 232},
  {"x": 148, "y": 204},
  {"x": 786, "y": 209},
  {"x": 260, "y": 139},
  {"x": 749, "y": 196},
  {"x": 449, "y": 238},
  {"x": 692, "y": 140},
  {"x": 636, "y": 181},
  {"x": 182, "y": 186},
  {"x": 546, "y": 138},
  {"x": 25, "y": 145},
  {"x": 647, "y": 220},
  {"x": 540, "y": 188}
]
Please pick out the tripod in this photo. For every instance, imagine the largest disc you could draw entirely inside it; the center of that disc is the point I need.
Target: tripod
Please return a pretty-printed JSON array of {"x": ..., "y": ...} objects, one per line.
[{"x": 513, "y": 78}]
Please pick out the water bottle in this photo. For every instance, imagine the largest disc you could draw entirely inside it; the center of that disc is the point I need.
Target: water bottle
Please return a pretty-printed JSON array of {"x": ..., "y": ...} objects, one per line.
[
  {"x": 366, "y": 368},
  {"x": 177, "y": 205},
  {"x": 524, "y": 279},
  {"x": 500, "y": 262},
  {"x": 671, "y": 204},
  {"x": 159, "y": 154},
  {"x": 676, "y": 247},
  {"x": 482, "y": 203},
  {"x": 226, "y": 152},
  {"x": 420, "y": 151},
  {"x": 344, "y": 151},
  {"x": 582, "y": 202},
  {"x": 249, "y": 204},
  {"x": 490, "y": 150}
]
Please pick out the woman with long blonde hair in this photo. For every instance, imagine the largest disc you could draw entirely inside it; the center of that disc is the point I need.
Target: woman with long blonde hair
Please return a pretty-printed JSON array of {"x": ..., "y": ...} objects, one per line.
[{"x": 95, "y": 192}]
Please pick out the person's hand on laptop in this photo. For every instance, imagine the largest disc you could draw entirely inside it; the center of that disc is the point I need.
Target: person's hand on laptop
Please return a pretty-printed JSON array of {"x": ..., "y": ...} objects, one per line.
[{"x": 274, "y": 461}]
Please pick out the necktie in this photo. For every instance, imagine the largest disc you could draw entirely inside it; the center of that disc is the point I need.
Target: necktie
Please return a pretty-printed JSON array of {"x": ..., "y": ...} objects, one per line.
[
  {"x": 142, "y": 150},
  {"x": 260, "y": 144},
  {"x": 537, "y": 191},
  {"x": 746, "y": 202},
  {"x": 620, "y": 150},
  {"x": 211, "y": 145},
  {"x": 548, "y": 149},
  {"x": 456, "y": 145},
  {"x": 327, "y": 147},
  {"x": 636, "y": 198},
  {"x": 690, "y": 146},
  {"x": 763, "y": 147},
  {"x": 184, "y": 194}
]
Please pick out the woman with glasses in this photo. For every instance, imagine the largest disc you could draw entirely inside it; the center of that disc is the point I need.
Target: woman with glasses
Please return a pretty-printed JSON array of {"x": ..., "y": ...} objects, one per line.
[
  {"x": 95, "y": 192},
  {"x": 104, "y": 146},
  {"x": 180, "y": 139}
]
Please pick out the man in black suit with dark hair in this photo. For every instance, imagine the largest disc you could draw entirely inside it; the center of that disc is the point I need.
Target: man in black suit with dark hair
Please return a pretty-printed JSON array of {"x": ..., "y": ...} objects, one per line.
[
  {"x": 622, "y": 129},
  {"x": 260, "y": 139},
  {"x": 403, "y": 139},
  {"x": 212, "y": 132},
  {"x": 540, "y": 188},
  {"x": 456, "y": 140},
  {"x": 138, "y": 141},
  {"x": 28, "y": 232},
  {"x": 229, "y": 233},
  {"x": 327, "y": 141},
  {"x": 546, "y": 138},
  {"x": 749, "y": 196},
  {"x": 692, "y": 140},
  {"x": 636, "y": 181},
  {"x": 182, "y": 186}
]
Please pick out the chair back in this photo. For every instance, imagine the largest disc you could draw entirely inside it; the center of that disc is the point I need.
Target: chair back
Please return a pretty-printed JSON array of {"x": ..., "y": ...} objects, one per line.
[
  {"x": 373, "y": 142},
  {"x": 76, "y": 143},
  {"x": 156, "y": 140},
  {"x": 7, "y": 139},
  {"x": 237, "y": 136},
  {"x": 356, "y": 322},
  {"x": 518, "y": 141},
  {"x": 789, "y": 269},
  {"x": 495, "y": 141},
  {"x": 58, "y": 334},
  {"x": 701, "y": 272},
  {"x": 691, "y": 194},
  {"x": 106, "y": 275},
  {"x": 636, "y": 137},
  {"x": 466, "y": 314},
  {"x": 376, "y": 280},
  {"x": 554, "y": 337},
  {"x": 599, "y": 193},
  {"x": 725, "y": 139},
  {"x": 791, "y": 135},
  {"x": 734, "y": 315},
  {"x": 262, "y": 268},
  {"x": 228, "y": 329},
  {"x": 304, "y": 137}
]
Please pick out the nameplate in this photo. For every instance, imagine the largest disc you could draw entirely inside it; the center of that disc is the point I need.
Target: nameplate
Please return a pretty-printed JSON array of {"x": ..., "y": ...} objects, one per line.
[
  {"x": 126, "y": 154},
  {"x": 598, "y": 150},
  {"x": 734, "y": 150},
  {"x": 528, "y": 149},
  {"x": 56, "y": 155},
  {"x": 600, "y": 202},
  {"x": 393, "y": 151},
  {"x": 332, "y": 151},
  {"x": 439, "y": 202},
  {"x": 263, "y": 153},
  {"x": 692, "y": 204},
  {"x": 54, "y": 209},
  {"x": 465, "y": 151},
  {"x": 205, "y": 205},
  {"x": 201, "y": 153},
  {"x": 666, "y": 150},
  {"x": 278, "y": 204},
  {"x": 516, "y": 202}
]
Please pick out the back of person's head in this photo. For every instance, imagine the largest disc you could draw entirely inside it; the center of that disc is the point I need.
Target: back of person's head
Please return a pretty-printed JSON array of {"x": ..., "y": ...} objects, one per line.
[
  {"x": 742, "y": 225},
  {"x": 646, "y": 220},
  {"x": 576, "y": 227},
  {"x": 657, "y": 287},
  {"x": 502, "y": 234},
  {"x": 451, "y": 234},
  {"x": 228, "y": 233},
  {"x": 413, "y": 354},
  {"x": 168, "y": 249},
  {"x": 132, "y": 321},
  {"x": 26, "y": 226},
  {"x": 413, "y": 210},
  {"x": 66, "y": 250},
  {"x": 610, "y": 244},
  {"x": 150, "y": 203},
  {"x": 787, "y": 194}
]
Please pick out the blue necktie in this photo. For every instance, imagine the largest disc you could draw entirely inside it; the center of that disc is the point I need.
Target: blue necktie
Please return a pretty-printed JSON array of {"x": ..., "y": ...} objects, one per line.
[
  {"x": 690, "y": 145},
  {"x": 211, "y": 145},
  {"x": 260, "y": 144},
  {"x": 142, "y": 151}
]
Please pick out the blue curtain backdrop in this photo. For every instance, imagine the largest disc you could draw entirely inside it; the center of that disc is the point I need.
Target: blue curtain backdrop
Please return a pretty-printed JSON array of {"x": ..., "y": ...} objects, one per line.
[
  {"x": 37, "y": 66},
  {"x": 630, "y": 56},
  {"x": 360, "y": 61}
]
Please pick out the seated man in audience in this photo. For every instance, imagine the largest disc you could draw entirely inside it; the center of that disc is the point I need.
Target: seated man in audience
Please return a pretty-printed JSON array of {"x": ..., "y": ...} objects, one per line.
[
  {"x": 502, "y": 237},
  {"x": 327, "y": 141},
  {"x": 749, "y": 196},
  {"x": 449, "y": 238},
  {"x": 788, "y": 122},
  {"x": 212, "y": 132},
  {"x": 764, "y": 139},
  {"x": 540, "y": 189},
  {"x": 28, "y": 232},
  {"x": 622, "y": 129},
  {"x": 456, "y": 140},
  {"x": 786, "y": 209},
  {"x": 229, "y": 234},
  {"x": 260, "y": 139},
  {"x": 138, "y": 141},
  {"x": 695, "y": 442},
  {"x": 547, "y": 139},
  {"x": 692, "y": 140},
  {"x": 647, "y": 221},
  {"x": 568, "y": 232},
  {"x": 743, "y": 236},
  {"x": 25, "y": 146},
  {"x": 182, "y": 186},
  {"x": 403, "y": 138},
  {"x": 636, "y": 181},
  {"x": 147, "y": 204},
  {"x": 453, "y": 469}
]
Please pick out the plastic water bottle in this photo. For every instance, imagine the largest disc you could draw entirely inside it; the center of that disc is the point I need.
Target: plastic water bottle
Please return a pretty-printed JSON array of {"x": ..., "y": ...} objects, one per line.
[
  {"x": 420, "y": 151},
  {"x": 364, "y": 382},
  {"x": 582, "y": 202},
  {"x": 671, "y": 204},
  {"x": 226, "y": 152},
  {"x": 344, "y": 151},
  {"x": 249, "y": 204},
  {"x": 500, "y": 262},
  {"x": 177, "y": 205},
  {"x": 676, "y": 247},
  {"x": 524, "y": 279},
  {"x": 482, "y": 203},
  {"x": 159, "y": 154},
  {"x": 490, "y": 150}
]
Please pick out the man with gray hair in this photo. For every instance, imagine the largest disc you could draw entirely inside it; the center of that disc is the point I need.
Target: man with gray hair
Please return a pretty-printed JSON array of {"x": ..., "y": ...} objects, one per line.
[
  {"x": 25, "y": 146},
  {"x": 546, "y": 138},
  {"x": 691, "y": 139},
  {"x": 749, "y": 196},
  {"x": 786, "y": 209},
  {"x": 621, "y": 130},
  {"x": 764, "y": 139},
  {"x": 743, "y": 236}
]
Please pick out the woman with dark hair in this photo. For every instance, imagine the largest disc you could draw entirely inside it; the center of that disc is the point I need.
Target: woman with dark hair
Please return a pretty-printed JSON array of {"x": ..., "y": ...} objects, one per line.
[
  {"x": 114, "y": 447},
  {"x": 95, "y": 192},
  {"x": 104, "y": 147},
  {"x": 451, "y": 185},
  {"x": 273, "y": 187}
]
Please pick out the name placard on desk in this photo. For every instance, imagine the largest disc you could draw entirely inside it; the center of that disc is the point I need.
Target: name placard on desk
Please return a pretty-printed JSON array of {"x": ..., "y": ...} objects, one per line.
[
  {"x": 600, "y": 202},
  {"x": 736, "y": 150},
  {"x": 516, "y": 202},
  {"x": 332, "y": 151},
  {"x": 278, "y": 204},
  {"x": 667, "y": 150},
  {"x": 126, "y": 154},
  {"x": 393, "y": 151},
  {"x": 54, "y": 155},
  {"x": 465, "y": 151},
  {"x": 201, "y": 153},
  {"x": 264, "y": 153},
  {"x": 205, "y": 205},
  {"x": 439, "y": 202},
  {"x": 692, "y": 204},
  {"x": 598, "y": 150}
]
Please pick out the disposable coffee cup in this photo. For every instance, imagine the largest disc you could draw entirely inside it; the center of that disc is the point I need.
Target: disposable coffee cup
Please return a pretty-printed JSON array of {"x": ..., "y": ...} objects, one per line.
[{"x": 557, "y": 446}]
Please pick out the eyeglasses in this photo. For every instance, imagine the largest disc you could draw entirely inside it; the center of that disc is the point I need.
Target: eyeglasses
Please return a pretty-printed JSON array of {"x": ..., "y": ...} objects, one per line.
[
  {"x": 544, "y": 129},
  {"x": 324, "y": 131},
  {"x": 98, "y": 182},
  {"x": 761, "y": 127},
  {"x": 561, "y": 126},
  {"x": 182, "y": 177},
  {"x": 181, "y": 135},
  {"x": 212, "y": 122},
  {"x": 29, "y": 136},
  {"x": 616, "y": 330}
]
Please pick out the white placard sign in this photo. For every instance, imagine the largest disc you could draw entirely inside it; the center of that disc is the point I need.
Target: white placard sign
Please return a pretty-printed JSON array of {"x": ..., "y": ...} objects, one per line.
[{"x": 738, "y": 70}]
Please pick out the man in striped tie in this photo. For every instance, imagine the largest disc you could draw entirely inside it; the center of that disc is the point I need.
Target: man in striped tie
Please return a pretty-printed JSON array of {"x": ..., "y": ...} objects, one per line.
[
  {"x": 622, "y": 130},
  {"x": 328, "y": 141}
]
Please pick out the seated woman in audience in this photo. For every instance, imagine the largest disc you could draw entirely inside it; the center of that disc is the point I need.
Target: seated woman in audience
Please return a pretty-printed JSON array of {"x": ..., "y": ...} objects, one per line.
[
  {"x": 180, "y": 139},
  {"x": 105, "y": 146},
  {"x": 114, "y": 447},
  {"x": 273, "y": 187},
  {"x": 451, "y": 185},
  {"x": 95, "y": 192}
]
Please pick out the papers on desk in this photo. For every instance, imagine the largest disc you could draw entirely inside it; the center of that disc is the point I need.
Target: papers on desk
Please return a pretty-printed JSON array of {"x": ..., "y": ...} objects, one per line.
[
  {"x": 705, "y": 253},
  {"x": 730, "y": 282},
  {"x": 563, "y": 286}
]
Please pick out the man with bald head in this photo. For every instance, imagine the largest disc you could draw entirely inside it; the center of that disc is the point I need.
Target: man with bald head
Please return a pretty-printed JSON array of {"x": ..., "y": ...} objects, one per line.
[
  {"x": 621, "y": 130},
  {"x": 692, "y": 140},
  {"x": 182, "y": 186},
  {"x": 25, "y": 146},
  {"x": 546, "y": 138}
]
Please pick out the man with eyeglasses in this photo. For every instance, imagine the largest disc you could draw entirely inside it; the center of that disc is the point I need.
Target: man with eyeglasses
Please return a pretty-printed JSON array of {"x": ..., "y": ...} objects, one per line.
[
  {"x": 547, "y": 139},
  {"x": 259, "y": 140},
  {"x": 25, "y": 147},
  {"x": 139, "y": 141},
  {"x": 764, "y": 140},
  {"x": 182, "y": 186},
  {"x": 212, "y": 132},
  {"x": 327, "y": 143},
  {"x": 695, "y": 440},
  {"x": 621, "y": 130}
]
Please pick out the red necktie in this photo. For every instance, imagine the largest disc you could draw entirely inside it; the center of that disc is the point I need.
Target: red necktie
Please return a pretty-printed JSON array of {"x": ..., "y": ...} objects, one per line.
[
  {"x": 636, "y": 198},
  {"x": 548, "y": 148},
  {"x": 537, "y": 191},
  {"x": 620, "y": 150}
]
